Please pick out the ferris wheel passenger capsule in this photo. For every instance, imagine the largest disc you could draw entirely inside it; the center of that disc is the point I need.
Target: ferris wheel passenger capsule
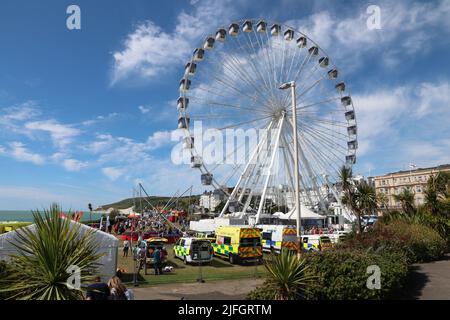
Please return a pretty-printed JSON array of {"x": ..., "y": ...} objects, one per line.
[
  {"x": 351, "y": 130},
  {"x": 206, "y": 179},
  {"x": 209, "y": 43},
  {"x": 275, "y": 29},
  {"x": 190, "y": 68},
  {"x": 313, "y": 51},
  {"x": 183, "y": 122},
  {"x": 350, "y": 159},
  {"x": 247, "y": 26},
  {"x": 221, "y": 34},
  {"x": 323, "y": 62},
  {"x": 182, "y": 103},
  {"x": 289, "y": 35},
  {"x": 352, "y": 145},
  {"x": 261, "y": 27},
  {"x": 346, "y": 101},
  {"x": 188, "y": 143},
  {"x": 196, "y": 162},
  {"x": 233, "y": 29},
  {"x": 332, "y": 74},
  {"x": 340, "y": 87},
  {"x": 185, "y": 84},
  {"x": 301, "y": 42},
  {"x": 199, "y": 54},
  {"x": 350, "y": 115}
]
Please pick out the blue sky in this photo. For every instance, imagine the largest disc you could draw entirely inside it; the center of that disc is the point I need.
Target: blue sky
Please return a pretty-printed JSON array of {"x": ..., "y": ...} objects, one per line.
[{"x": 85, "y": 114}]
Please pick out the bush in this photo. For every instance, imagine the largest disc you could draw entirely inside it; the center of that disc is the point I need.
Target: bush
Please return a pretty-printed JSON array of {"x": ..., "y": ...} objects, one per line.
[
  {"x": 262, "y": 293},
  {"x": 423, "y": 243},
  {"x": 419, "y": 243},
  {"x": 342, "y": 274}
]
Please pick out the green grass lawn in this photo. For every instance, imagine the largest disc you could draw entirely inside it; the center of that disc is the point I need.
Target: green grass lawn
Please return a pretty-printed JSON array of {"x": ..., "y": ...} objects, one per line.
[{"x": 218, "y": 270}]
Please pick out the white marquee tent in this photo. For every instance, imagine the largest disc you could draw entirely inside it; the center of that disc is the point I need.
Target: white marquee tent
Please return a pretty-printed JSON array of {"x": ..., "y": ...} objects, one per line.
[
  {"x": 107, "y": 245},
  {"x": 305, "y": 213}
]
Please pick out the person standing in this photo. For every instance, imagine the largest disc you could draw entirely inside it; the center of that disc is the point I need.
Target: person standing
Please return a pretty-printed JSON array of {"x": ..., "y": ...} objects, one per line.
[
  {"x": 126, "y": 247},
  {"x": 157, "y": 261}
]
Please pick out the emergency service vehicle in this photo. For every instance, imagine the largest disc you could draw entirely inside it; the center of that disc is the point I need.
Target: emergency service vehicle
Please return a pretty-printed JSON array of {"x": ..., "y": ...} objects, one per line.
[
  {"x": 238, "y": 244},
  {"x": 193, "y": 250},
  {"x": 276, "y": 237},
  {"x": 316, "y": 242}
]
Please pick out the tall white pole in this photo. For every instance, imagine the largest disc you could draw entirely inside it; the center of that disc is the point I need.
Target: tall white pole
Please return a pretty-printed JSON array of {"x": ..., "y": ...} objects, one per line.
[{"x": 296, "y": 173}]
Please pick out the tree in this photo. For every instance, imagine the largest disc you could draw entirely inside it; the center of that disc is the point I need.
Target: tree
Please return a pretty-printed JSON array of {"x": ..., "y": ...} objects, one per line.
[
  {"x": 286, "y": 275},
  {"x": 366, "y": 199},
  {"x": 406, "y": 199},
  {"x": 359, "y": 197},
  {"x": 437, "y": 193},
  {"x": 349, "y": 196},
  {"x": 39, "y": 270}
]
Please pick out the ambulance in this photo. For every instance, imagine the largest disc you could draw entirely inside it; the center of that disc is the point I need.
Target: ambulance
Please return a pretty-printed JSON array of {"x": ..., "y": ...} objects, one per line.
[
  {"x": 193, "y": 250},
  {"x": 316, "y": 242},
  {"x": 238, "y": 244},
  {"x": 276, "y": 237}
]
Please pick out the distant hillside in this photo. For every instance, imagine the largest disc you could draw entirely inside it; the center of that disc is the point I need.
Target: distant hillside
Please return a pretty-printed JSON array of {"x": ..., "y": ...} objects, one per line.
[{"x": 154, "y": 200}]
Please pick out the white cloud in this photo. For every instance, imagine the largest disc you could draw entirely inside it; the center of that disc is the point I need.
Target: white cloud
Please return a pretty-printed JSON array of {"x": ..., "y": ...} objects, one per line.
[
  {"x": 19, "y": 152},
  {"x": 150, "y": 51},
  {"x": 144, "y": 109},
  {"x": 74, "y": 165},
  {"x": 113, "y": 173},
  {"x": 407, "y": 28},
  {"x": 61, "y": 134},
  {"x": 158, "y": 139},
  {"x": 2, "y": 150},
  {"x": 383, "y": 115}
]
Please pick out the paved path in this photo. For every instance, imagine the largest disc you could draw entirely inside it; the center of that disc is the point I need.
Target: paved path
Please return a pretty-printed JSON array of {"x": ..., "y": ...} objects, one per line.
[
  {"x": 211, "y": 290},
  {"x": 429, "y": 281}
]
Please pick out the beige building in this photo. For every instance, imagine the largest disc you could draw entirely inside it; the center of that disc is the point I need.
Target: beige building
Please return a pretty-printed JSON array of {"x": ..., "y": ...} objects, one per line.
[{"x": 415, "y": 180}]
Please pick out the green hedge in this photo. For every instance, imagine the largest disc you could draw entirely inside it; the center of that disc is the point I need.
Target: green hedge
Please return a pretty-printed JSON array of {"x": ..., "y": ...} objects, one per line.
[
  {"x": 418, "y": 242},
  {"x": 342, "y": 274}
]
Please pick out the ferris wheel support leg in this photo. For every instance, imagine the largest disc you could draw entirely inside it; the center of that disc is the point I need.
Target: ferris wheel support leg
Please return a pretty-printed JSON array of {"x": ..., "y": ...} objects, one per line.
[
  {"x": 236, "y": 188},
  {"x": 272, "y": 160}
]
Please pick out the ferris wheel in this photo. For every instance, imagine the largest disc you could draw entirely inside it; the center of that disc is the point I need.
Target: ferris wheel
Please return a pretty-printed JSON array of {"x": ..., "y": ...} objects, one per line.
[{"x": 234, "y": 81}]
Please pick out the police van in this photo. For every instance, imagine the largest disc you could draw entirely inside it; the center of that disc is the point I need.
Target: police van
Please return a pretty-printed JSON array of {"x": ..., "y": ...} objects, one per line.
[
  {"x": 238, "y": 244},
  {"x": 316, "y": 242},
  {"x": 193, "y": 250},
  {"x": 276, "y": 237}
]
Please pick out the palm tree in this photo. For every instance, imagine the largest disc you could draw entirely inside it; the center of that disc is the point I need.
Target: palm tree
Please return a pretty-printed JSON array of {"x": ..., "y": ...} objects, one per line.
[
  {"x": 349, "y": 196},
  {"x": 39, "y": 270},
  {"x": 366, "y": 199},
  {"x": 437, "y": 193},
  {"x": 406, "y": 198},
  {"x": 287, "y": 275}
]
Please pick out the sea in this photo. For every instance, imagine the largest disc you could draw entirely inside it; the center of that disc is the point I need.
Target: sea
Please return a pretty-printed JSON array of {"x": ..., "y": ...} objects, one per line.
[{"x": 27, "y": 216}]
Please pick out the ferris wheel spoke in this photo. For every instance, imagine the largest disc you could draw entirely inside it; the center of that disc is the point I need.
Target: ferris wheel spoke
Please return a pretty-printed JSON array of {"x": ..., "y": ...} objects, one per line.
[
  {"x": 255, "y": 68},
  {"x": 237, "y": 69},
  {"x": 262, "y": 67},
  {"x": 320, "y": 137},
  {"x": 325, "y": 130},
  {"x": 242, "y": 123},
  {"x": 302, "y": 107},
  {"x": 228, "y": 105}
]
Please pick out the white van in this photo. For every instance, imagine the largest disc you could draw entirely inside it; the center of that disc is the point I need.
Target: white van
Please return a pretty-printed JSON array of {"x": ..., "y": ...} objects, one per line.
[
  {"x": 275, "y": 237},
  {"x": 193, "y": 250}
]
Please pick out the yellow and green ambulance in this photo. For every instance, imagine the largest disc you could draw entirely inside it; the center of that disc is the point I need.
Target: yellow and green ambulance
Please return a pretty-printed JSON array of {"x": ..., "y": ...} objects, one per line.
[
  {"x": 238, "y": 244},
  {"x": 193, "y": 250},
  {"x": 276, "y": 237}
]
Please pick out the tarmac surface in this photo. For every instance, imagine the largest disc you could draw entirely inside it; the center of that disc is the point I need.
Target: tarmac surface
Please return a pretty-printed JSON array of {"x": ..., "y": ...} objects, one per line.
[
  {"x": 211, "y": 290},
  {"x": 429, "y": 281}
]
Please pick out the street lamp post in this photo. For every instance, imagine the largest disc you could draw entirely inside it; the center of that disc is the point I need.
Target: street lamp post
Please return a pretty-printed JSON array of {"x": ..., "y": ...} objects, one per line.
[{"x": 285, "y": 86}]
